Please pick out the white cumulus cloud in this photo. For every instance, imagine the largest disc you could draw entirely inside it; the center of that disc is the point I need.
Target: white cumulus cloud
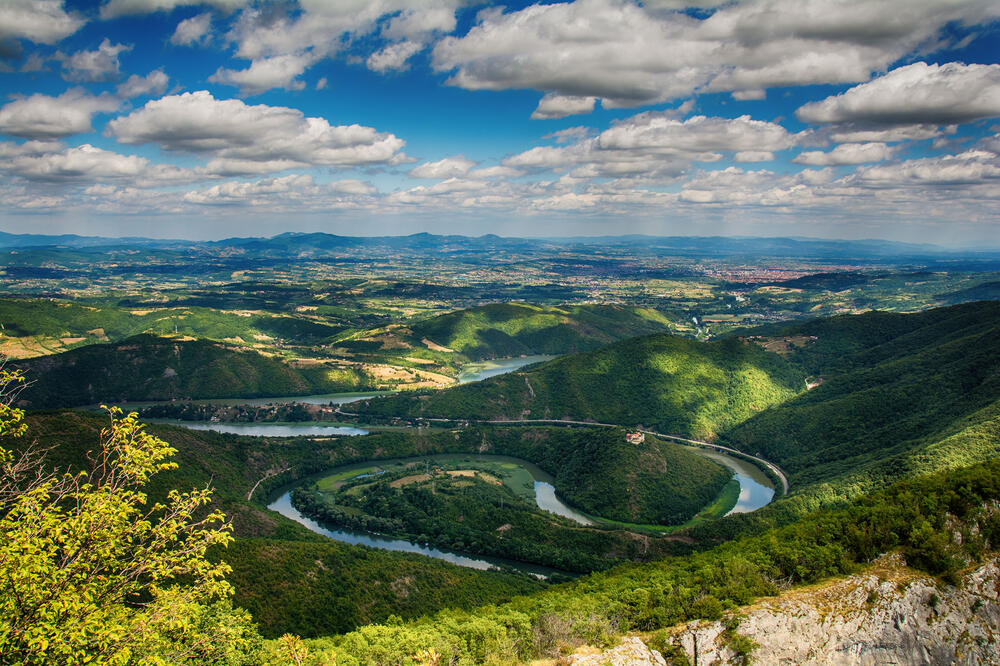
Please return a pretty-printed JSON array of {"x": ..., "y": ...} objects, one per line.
[
  {"x": 627, "y": 54},
  {"x": 560, "y": 106},
  {"x": 657, "y": 145},
  {"x": 40, "y": 116},
  {"x": 846, "y": 153},
  {"x": 194, "y": 30},
  {"x": 116, "y": 8},
  {"x": 252, "y": 139},
  {"x": 84, "y": 163},
  {"x": 915, "y": 94},
  {"x": 154, "y": 83},
  {"x": 40, "y": 21},
  {"x": 280, "y": 71},
  {"x": 449, "y": 167},
  {"x": 393, "y": 56},
  {"x": 98, "y": 65},
  {"x": 968, "y": 168}
]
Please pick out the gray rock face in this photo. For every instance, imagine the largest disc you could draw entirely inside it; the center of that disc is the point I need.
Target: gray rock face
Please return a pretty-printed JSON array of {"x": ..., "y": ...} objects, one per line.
[
  {"x": 887, "y": 616},
  {"x": 631, "y": 652}
]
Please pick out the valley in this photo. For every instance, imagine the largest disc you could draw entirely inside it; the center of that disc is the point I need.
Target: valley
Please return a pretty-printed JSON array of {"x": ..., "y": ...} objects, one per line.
[
  {"x": 406, "y": 468},
  {"x": 528, "y": 333}
]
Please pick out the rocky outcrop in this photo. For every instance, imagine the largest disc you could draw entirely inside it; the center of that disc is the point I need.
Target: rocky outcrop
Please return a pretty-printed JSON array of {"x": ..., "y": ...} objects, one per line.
[
  {"x": 631, "y": 652},
  {"x": 888, "y": 615}
]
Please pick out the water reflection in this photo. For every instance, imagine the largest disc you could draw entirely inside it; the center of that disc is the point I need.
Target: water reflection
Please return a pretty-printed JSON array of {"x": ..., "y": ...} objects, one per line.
[
  {"x": 283, "y": 505},
  {"x": 474, "y": 372},
  {"x": 756, "y": 489}
]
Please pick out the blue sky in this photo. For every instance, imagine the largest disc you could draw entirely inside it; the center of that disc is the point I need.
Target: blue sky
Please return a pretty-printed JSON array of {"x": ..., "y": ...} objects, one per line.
[{"x": 828, "y": 118}]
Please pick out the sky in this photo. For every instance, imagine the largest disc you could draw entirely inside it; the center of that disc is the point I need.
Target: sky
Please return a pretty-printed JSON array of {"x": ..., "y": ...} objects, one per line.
[{"x": 206, "y": 120}]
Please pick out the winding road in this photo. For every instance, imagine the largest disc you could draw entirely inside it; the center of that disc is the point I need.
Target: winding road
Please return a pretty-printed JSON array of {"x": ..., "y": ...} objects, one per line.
[{"x": 695, "y": 442}]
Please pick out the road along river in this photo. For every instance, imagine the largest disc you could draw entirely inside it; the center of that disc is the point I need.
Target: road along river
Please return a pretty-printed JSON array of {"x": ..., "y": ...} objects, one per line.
[{"x": 756, "y": 490}]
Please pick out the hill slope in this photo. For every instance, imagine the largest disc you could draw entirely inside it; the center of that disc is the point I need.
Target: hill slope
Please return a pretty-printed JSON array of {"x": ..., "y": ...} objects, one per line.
[
  {"x": 903, "y": 395},
  {"x": 288, "y": 577},
  {"x": 674, "y": 384},
  {"x": 513, "y": 329},
  {"x": 146, "y": 367},
  {"x": 38, "y": 327},
  {"x": 503, "y": 330}
]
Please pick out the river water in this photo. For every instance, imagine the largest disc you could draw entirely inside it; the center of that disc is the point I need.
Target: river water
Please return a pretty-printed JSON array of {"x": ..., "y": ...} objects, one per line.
[
  {"x": 756, "y": 489},
  {"x": 474, "y": 372},
  {"x": 283, "y": 505}
]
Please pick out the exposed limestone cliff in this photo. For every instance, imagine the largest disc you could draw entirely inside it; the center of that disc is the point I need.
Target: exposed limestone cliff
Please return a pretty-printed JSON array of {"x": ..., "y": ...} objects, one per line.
[{"x": 887, "y": 615}]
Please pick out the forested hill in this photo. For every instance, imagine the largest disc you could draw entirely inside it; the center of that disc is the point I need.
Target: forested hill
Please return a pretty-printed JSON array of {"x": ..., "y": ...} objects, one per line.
[
  {"x": 510, "y": 329},
  {"x": 836, "y": 344},
  {"x": 289, "y": 578},
  {"x": 894, "y": 396},
  {"x": 673, "y": 384},
  {"x": 146, "y": 367},
  {"x": 902, "y": 395}
]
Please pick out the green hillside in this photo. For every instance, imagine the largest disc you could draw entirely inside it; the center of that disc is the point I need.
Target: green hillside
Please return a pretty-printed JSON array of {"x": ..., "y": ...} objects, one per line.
[
  {"x": 598, "y": 471},
  {"x": 146, "y": 367},
  {"x": 940, "y": 524},
  {"x": 445, "y": 343},
  {"x": 43, "y": 326},
  {"x": 675, "y": 385},
  {"x": 289, "y": 578},
  {"x": 903, "y": 395},
  {"x": 515, "y": 329}
]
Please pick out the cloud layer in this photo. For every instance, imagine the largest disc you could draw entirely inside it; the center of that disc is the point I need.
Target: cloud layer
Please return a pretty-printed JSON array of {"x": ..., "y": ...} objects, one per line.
[{"x": 245, "y": 139}]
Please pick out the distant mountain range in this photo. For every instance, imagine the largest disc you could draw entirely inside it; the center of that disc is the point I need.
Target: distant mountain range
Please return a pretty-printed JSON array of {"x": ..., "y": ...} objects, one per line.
[{"x": 319, "y": 244}]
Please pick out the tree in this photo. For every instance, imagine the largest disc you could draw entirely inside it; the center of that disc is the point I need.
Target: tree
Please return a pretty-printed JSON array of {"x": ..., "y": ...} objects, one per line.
[{"x": 92, "y": 572}]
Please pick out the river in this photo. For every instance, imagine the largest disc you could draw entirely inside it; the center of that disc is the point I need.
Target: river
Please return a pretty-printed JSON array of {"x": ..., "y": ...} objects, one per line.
[
  {"x": 756, "y": 490},
  {"x": 305, "y": 429},
  {"x": 474, "y": 372},
  {"x": 544, "y": 495}
]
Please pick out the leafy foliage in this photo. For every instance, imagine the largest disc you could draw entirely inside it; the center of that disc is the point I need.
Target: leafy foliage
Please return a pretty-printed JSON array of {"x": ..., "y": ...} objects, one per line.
[
  {"x": 93, "y": 573},
  {"x": 917, "y": 518}
]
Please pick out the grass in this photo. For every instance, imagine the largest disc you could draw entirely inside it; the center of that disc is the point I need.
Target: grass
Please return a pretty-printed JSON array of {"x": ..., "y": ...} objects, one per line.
[
  {"x": 330, "y": 482},
  {"x": 724, "y": 502}
]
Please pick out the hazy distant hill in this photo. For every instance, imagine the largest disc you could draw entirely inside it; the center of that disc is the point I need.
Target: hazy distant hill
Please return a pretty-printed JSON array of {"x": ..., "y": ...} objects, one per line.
[
  {"x": 985, "y": 291},
  {"x": 317, "y": 244}
]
